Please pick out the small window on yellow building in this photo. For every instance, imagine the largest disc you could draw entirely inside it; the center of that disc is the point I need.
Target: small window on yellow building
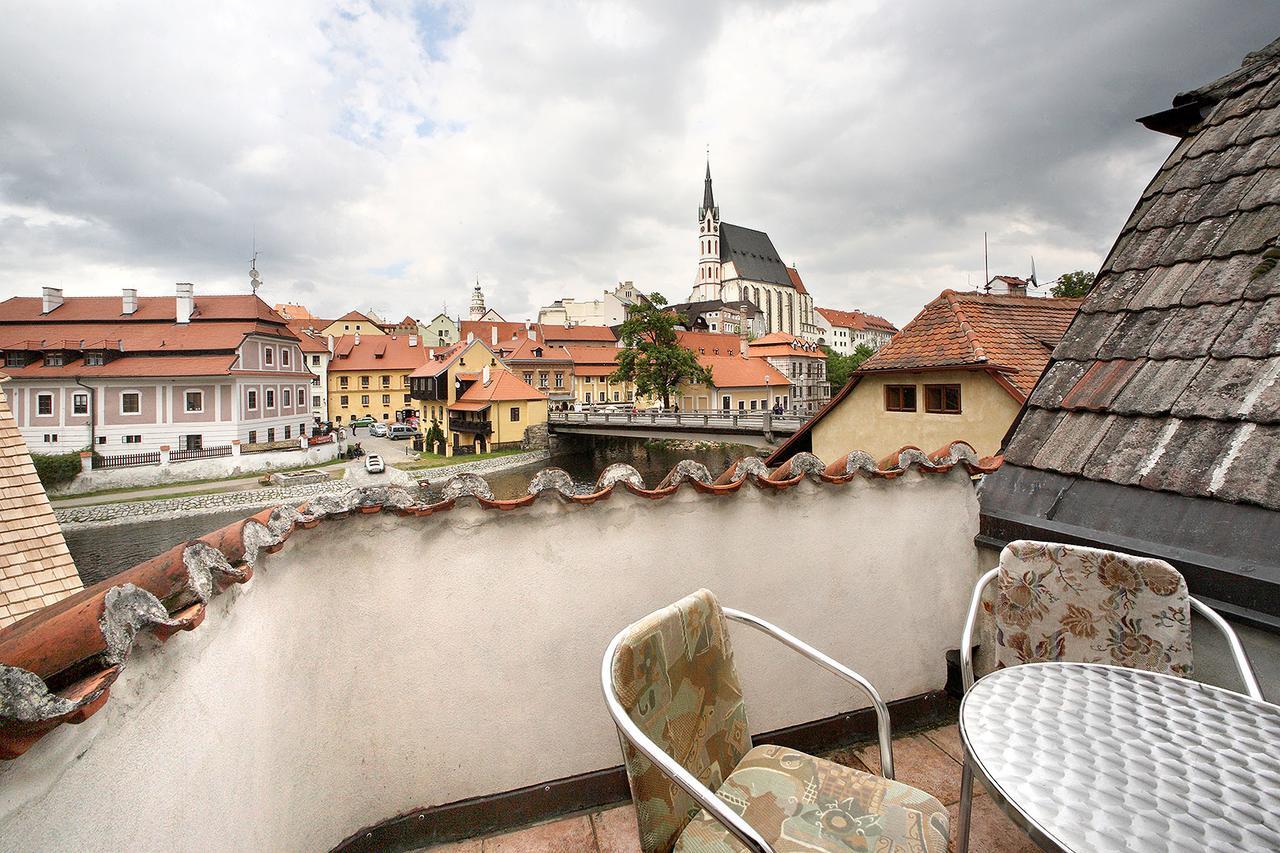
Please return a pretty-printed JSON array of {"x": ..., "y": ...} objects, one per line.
[
  {"x": 515, "y": 414},
  {"x": 942, "y": 399},
  {"x": 900, "y": 398}
]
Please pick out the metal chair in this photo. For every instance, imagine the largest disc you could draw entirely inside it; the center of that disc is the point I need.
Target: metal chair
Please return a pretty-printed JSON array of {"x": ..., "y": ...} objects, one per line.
[
  {"x": 1086, "y": 605},
  {"x": 671, "y": 687}
]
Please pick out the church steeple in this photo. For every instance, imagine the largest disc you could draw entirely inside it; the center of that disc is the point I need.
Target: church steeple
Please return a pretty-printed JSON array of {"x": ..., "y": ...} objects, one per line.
[{"x": 708, "y": 198}]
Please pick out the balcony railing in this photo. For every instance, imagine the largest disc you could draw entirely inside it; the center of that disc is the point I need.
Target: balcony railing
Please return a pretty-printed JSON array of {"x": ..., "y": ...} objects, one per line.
[{"x": 464, "y": 425}]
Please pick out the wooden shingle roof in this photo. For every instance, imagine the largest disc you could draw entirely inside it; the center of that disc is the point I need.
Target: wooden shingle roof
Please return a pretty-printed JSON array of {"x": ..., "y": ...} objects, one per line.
[{"x": 35, "y": 567}]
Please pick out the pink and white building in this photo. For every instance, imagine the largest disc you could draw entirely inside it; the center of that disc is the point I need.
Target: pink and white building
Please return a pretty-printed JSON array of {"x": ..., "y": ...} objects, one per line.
[{"x": 129, "y": 374}]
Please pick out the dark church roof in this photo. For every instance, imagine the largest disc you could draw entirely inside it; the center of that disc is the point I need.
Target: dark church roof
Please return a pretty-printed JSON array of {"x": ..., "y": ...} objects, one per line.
[
  {"x": 753, "y": 255},
  {"x": 1156, "y": 427}
]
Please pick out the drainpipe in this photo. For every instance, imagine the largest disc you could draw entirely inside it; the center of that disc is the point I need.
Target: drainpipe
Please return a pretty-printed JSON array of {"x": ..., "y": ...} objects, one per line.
[{"x": 93, "y": 411}]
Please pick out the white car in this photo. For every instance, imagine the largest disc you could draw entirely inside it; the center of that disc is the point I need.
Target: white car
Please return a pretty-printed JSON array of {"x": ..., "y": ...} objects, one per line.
[
  {"x": 378, "y": 430},
  {"x": 373, "y": 464}
]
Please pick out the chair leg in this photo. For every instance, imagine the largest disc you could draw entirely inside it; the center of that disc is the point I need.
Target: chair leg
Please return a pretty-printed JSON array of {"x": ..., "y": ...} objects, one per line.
[{"x": 966, "y": 807}]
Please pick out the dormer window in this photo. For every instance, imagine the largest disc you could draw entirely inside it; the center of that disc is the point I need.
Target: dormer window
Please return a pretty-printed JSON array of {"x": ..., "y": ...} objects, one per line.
[
  {"x": 55, "y": 359},
  {"x": 94, "y": 359},
  {"x": 15, "y": 359}
]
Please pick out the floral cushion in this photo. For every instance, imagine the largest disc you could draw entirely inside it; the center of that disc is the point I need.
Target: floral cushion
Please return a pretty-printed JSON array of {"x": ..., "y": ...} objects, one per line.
[
  {"x": 1085, "y": 605},
  {"x": 798, "y": 802},
  {"x": 674, "y": 674}
]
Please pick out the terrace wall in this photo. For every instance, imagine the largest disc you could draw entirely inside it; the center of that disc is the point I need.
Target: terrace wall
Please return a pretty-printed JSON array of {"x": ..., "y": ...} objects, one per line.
[{"x": 381, "y": 663}]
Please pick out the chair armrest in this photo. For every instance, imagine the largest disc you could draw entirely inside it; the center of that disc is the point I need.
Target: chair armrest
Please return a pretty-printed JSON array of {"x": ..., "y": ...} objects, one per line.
[
  {"x": 884, "y": 727},
  {"x": 688, "y": 783},
  {"x": 1237, "y": 648},
  {"x": 970, "y": 622}
]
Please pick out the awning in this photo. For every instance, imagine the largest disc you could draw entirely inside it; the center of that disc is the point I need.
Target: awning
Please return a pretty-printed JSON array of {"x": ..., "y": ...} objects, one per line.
[{"x": 469, "y": 406}]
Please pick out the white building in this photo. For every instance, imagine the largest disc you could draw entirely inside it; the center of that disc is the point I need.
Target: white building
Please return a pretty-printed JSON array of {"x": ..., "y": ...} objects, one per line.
[
  {"x": 737, "y": 263},
  {"x": 609, "y": 310},
  {"x": 844, "y": 331}
]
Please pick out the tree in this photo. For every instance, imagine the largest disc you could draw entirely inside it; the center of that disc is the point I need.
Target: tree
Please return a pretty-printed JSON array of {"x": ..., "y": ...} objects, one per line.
[
  {"x": 840, "y": 368},
  {"x": 435, "y": 437},
  {"x": 1073, "y": 284},
  {"x": 651, "y": 356}
]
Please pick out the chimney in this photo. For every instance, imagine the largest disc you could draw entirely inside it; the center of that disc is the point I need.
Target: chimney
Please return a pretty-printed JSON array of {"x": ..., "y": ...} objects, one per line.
[
  {"x": 471, "y": 336},
  {"x": 413, "y": 340},
  {"x": 357, "y": 339},
  {"x": 494, "y": 336},
  {"x": 51, "y": 298},
  {"x": 533, "y": 333},
  {"x": 484, "y": 375},
  {"x": 186, "y": 301},
  {"x": 129, "y": 303},
  {"x": 431, "y": 353},
  {"x": 330, "y": 344}
]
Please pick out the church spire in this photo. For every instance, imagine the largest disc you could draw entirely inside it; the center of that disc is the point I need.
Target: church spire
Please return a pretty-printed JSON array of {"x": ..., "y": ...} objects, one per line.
[{"x": 708, "y": 200}]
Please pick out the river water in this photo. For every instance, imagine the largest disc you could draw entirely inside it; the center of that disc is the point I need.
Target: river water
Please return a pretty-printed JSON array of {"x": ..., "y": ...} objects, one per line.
[{"x": 100, "y": 552}]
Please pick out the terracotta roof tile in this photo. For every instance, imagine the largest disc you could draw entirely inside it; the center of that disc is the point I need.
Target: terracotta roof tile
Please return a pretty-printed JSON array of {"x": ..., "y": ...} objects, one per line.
[
  {"x": 64, "y": 664},
  {"x": 856, "y": 320},
  {"x": 503, "y": 386},
  {"x": 377, "y": 352},
  {"x": 742, "y": 372}
]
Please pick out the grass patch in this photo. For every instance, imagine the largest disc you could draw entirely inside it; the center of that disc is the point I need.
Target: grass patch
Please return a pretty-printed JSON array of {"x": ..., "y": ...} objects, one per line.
[
  {"x": 433, "y": 460},
  {"x": 247, "y": 475}
]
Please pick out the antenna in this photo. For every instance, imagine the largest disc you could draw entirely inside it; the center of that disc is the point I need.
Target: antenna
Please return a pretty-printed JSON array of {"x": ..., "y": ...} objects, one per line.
[
  {"x": 1033, "y": 281},
  {"x": 255, "y": 281},
  {"x": 986, "y": 271}
]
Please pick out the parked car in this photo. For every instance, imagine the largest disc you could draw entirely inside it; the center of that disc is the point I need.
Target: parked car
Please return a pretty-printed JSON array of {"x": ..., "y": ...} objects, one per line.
[
  {"x": 373, "y": 464},
  {"x": 399, "y": 431},
  {"x": 363, "y": 420},
  {"x": 379, "y": 430}
]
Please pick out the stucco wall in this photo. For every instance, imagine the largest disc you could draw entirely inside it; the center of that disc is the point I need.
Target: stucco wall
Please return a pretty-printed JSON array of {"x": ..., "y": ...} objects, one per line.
[
  {"x": 860, "y": 420},
  {"x": 379, "y": 663}
]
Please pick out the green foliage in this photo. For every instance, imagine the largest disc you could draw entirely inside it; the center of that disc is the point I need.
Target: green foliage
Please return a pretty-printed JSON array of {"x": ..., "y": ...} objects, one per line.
[
  {"x": 1073, "y": 284},
  {"x": 651, "y": 356},
  {"x": 435, "y": 437},
  {"x": 56, "y": 469},
  {"x": 840, "y": 368}
]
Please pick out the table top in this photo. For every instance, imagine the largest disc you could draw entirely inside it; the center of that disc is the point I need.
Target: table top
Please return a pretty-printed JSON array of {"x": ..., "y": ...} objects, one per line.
[{"x": 1092, "y": 758}]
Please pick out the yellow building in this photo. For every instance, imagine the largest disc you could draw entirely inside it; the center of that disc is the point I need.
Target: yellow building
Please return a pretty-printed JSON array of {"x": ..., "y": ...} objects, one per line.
[
  {"x": 960, "y": 370},
  {"x": 478, "y": 402},
  {"x": 352, "y": 323},
  {"x": 592, "y": 366},
  {"x": 738, "y": 384},
  {"x": 369, "y": 375}
]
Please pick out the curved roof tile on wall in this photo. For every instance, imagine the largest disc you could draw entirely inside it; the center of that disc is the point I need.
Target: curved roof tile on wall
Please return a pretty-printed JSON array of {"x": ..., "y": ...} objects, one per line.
[{"x": 58, "y": 664}]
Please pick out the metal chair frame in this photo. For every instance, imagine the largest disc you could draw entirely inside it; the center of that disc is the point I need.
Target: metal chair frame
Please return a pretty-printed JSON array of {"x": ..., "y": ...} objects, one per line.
[
  {"x": 1238, "y": 654},
  {"x": 701, "y": 794}
]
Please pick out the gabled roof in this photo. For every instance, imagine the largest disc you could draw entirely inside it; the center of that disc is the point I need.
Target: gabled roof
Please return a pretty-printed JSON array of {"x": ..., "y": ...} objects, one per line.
[
  {"x": 440, "y": 359},
  {"x": 783, "y": 344},
  {"x": 742, "y": 372},
  {"x": 309, "y": 343},
  {"x": 354, "y": 317},
  {"x": 503, "y": 386},
  {"x": 857, "y": 320},
  {"x": 1158, "y": 419},
  {"x": 483, "y": 330},
  {"x": 753, "y": 255},
  {"x": 35, "y": 567},
  {"x": 1012, "y": 335},
  {"x": 523, "y": 349},
  {"x": 377, "y": 352}
]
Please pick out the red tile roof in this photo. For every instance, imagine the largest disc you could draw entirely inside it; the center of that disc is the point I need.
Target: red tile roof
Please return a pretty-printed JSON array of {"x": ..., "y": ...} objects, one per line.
[
  {"x": 439, "y": 359},
  {"x": 71, "y": 664},
  {"x": 522, "y": 349},
  {"x": 376, "y": 352},
  {"x": 108, "y": 309},
  {"x": 742, "y": 372},
  {"x": 503, "y": 385},
  {"x": 1012, "y": 335},
  {"x": 140, "y": 366},
  {"x": 710, "y": 343},
  {"x": 601, "y": 334},
  {"x": 483, "y": 330},
  {"x": 354, "y": 317},
  {"x": 309, "y": 343},
  {"x": 795, "y": 280},
  {"x": 857, "y": 320},
  {"x": 782, "y": 344}
]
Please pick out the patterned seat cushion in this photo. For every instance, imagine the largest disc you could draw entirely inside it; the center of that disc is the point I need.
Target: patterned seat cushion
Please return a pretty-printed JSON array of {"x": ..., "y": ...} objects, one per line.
[
  {"x": 798, "y": 802},
  {"x": 1085, "y": 605}
]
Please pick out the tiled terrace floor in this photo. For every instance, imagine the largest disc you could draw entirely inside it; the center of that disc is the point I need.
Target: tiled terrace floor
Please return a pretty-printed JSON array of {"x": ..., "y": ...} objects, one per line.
[{"x": 929, "y": 760}]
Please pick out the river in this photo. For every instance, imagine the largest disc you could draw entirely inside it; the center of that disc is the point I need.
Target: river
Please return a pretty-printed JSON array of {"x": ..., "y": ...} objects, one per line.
[{"x": 100, "y": 552}]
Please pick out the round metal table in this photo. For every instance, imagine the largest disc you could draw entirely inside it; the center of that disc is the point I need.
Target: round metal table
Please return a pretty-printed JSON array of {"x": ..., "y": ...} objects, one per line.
[{"x": 1088, "y": 757}]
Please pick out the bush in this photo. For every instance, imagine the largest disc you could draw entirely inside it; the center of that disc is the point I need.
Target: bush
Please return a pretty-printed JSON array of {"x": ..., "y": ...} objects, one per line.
[{"x": 56, "y": 469}]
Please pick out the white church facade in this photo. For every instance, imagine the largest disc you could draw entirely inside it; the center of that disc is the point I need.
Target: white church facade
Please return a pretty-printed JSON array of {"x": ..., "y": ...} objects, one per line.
[{"x": 737, "y": 263}]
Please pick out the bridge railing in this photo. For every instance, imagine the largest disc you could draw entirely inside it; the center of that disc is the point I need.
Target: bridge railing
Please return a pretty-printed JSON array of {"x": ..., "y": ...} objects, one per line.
[{"x": 713, "y": 419}]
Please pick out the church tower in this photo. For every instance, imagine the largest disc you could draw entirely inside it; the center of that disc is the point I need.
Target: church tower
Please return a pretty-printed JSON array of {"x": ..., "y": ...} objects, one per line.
[
  {"x": 477, "y": 302},
  {"x": 707, "y": 284}
]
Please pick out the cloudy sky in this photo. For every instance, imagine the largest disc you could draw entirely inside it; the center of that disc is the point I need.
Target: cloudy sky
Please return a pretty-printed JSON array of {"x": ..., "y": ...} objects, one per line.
[{"x": 387, "y": 153}]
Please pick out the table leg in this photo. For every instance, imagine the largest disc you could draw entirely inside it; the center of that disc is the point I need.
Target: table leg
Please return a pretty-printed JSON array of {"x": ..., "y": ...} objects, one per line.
[{"x": 966, "y": 807}]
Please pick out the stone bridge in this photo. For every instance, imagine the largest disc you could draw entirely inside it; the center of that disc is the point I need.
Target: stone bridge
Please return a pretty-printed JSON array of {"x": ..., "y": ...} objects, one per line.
[{"x": 757, "y": 429}]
